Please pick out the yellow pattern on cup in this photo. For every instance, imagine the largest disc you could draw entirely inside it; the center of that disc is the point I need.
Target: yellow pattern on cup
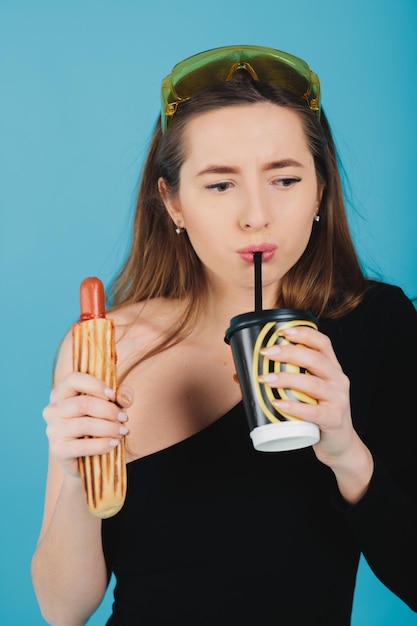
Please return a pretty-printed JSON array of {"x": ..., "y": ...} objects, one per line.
[{"x": 270, "y": 412}]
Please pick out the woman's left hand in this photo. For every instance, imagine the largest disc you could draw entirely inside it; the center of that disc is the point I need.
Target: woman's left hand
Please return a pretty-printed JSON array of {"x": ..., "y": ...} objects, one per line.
[{"x": 325, "y": 382}]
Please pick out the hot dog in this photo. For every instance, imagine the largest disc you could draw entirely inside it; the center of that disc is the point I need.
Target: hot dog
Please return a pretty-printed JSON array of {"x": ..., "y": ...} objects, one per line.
[{"x": 94, "y": 352}]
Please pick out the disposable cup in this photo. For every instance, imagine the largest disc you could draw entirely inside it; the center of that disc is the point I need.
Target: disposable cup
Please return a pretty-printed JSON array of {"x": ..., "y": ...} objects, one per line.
[{"x": 271, "y": 430}]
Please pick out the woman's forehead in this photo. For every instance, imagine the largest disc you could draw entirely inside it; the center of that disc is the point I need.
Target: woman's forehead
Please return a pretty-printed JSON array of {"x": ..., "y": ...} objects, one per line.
[{"x": 263, "y": 130}]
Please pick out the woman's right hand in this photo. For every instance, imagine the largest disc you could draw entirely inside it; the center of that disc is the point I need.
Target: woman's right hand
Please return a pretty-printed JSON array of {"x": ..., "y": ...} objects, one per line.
[{"x": 84, "y": 417}]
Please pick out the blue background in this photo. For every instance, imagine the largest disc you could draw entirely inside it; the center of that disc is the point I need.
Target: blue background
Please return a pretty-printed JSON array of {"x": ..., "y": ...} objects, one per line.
[{"x": 79, "y": 84}]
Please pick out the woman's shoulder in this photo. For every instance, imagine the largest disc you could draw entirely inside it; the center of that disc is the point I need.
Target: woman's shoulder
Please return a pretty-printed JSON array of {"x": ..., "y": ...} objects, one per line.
[
  {"x": 383, "y": 308},
  {"x": 385, "y": 299},
  {"x": 142, "y": 325},
  {"x": 156, "y": 314}
]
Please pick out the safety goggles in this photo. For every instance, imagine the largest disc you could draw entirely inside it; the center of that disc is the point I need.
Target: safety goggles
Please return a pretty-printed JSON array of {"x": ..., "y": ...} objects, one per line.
[{"x": 213, "y": 67}]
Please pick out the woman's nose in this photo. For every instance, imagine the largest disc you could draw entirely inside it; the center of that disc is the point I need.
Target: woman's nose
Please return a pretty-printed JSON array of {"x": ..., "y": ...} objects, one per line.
[{"x": 255, "y": 214}]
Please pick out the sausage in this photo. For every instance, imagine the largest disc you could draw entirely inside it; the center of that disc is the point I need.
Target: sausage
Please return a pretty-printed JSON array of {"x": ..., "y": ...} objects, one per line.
[{"x": 92, "y": 299}]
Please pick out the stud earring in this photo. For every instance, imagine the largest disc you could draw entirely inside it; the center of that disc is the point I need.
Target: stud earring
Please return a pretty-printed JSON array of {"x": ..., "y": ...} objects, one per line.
[
  {"x": 179, "y": 229},
  {"x": 317, "y": 218}
]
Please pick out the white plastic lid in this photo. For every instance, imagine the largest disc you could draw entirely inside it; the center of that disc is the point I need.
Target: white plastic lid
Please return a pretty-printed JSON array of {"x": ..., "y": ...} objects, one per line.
[{"x": 289, "y": 435}]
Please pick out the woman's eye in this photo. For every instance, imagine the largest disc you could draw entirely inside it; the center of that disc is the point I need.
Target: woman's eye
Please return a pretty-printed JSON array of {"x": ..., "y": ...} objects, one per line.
[
  {"x": 222, "y": 186},
  {"x": 288, "y": 181}
]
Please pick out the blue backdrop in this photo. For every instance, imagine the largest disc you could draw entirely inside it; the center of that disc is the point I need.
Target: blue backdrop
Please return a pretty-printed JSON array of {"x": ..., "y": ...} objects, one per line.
[{"x": 79, "y": 92}]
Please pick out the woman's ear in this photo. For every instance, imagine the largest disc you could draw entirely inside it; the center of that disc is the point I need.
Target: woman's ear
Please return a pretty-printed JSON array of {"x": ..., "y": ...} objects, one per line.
[{"x": 171, "y": 203}]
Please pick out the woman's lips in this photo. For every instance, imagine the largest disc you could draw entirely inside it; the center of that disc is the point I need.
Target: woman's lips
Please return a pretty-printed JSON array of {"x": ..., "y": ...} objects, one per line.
[{"x": 268, "y": 250}]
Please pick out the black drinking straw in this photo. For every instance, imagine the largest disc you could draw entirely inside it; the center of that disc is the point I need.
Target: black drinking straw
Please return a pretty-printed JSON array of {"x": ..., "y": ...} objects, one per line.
[{"x": 257, "y": 262}]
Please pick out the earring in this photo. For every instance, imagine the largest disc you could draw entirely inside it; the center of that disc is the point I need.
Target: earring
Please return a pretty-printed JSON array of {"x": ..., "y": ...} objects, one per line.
[
  {"x": 317, "y": 218},
  {"x": 179, "y": 229}
]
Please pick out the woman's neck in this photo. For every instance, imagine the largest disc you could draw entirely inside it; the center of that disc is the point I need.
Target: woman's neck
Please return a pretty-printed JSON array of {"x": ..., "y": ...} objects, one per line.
[{"x": 221, "y": 304}]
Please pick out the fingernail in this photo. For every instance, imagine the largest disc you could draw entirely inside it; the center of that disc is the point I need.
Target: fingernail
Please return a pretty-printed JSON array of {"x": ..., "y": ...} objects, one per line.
[
  {"x": 114, "y": 442},
  {"x": 109, "y": 393},
  {"x": 126, "y": 398},
  {"x": 271, "y": 351},
  {"x": 122, "y": 417},
  {"x": 281, "y": 404},
  {"x": 268, "y": 378},
  {"x": 291, "y": 331},
  {"x": 123, "y": 430}
]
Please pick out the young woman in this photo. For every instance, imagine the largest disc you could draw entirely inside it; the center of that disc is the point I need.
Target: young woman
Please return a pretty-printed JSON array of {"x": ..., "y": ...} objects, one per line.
[{"x": 212, "y": 531}]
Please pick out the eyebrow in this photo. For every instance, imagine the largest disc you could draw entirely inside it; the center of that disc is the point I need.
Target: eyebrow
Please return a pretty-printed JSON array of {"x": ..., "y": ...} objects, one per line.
[{"x": 273, "y": 165}]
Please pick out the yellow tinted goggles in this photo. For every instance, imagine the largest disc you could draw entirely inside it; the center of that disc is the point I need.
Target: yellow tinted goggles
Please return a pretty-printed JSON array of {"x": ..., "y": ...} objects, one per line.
[{"x": 210, "y": 68}]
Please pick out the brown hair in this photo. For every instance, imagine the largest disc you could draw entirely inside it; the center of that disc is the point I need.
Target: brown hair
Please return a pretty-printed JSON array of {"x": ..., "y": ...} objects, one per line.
[{"x": 326, "y": 280}]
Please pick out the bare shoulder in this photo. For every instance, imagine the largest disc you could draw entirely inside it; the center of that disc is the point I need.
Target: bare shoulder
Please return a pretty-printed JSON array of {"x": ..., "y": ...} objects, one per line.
[
  {"x": 143, "y": 325},
  {"x": 155, "y": 312}
]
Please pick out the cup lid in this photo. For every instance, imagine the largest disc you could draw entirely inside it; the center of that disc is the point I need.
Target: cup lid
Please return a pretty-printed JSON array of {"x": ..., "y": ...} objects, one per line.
[{"x": 254, "y": 318}]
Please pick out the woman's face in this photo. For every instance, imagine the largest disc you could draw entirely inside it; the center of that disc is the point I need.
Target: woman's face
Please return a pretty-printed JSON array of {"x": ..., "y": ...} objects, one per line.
[{"x": 248, "y": 183}]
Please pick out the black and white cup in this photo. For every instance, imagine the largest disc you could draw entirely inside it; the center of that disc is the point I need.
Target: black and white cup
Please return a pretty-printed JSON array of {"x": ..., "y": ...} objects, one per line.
[{"x": 270, "y": 430}]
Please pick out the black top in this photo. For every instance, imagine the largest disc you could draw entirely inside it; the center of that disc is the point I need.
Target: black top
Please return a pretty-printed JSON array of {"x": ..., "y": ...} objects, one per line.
[{"x": 214, "y": 532}]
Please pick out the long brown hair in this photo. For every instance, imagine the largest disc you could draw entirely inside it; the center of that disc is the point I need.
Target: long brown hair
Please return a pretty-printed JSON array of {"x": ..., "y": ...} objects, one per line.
[{"x": 326, "y": 280}]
